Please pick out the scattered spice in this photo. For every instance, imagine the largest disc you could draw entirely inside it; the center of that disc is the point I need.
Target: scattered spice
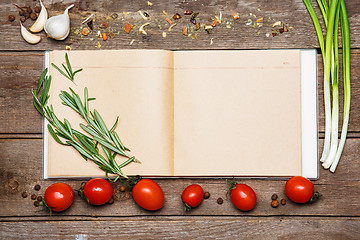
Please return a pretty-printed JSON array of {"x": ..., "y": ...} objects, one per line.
[
  {"x": 171, "y": 27},
  {"x": 278, "y": 23},
  {"x": 33, "y": 197},
  {"x": 214, "y": 23},
  {"x": 39, "y": 198},
  {"x": 193, "y": 18},
  {"x": 144, "y": 15},
  {"x": 259, "y": 20},
  {"x": 90, "y": 24},
  {"x": 85, "y": 32},
  {"x": 164, "y": 34},
  {"x": 197, "y": 26},
  {"x": 283, "y": 201},
  {"x": 111, "y": 35},
  {"x": 22, "y": 19},
  {"x": 132, "y": 41},
  {"x": 33, "y": 16},
  {"x": 24, "y": 195},
  {"x": 114, "y": 15},
  {"x": 142, "y": 30},
  {"x": 274, "y": 196},
  {"x": 104, "y": 25},
  {"x": 220, "y": 201},
  {"x": 37, "y": 187},
  {"x": 275, "y": 203},
  {"x": 169, "y": 20},
  {"x": 128, "y": 27},
  {"x": 11, "y": 18},
  {"x": 37, "y": 9},
  {"x": 177, "y": 16},
  {"x": 236, "y": 16},
  {"x": 68, "y": 47},
  {"x": 184, "y": 31},
  {"x": 104, "y": 36},
  {"x": 122, "y": 189},
  {"x": 111, "y": 201},
  {"x": 208, "y": 28},
  {"x": 188, "y": 12},
  {"x": 165, "y": 13},
  {"x": 28, "y": 9},
  {"x": 149, "y": 3},
  {"x": 21, "y": 12},
  {"x": 206, "y": 195},
  {"x": 36, "y": 203}
]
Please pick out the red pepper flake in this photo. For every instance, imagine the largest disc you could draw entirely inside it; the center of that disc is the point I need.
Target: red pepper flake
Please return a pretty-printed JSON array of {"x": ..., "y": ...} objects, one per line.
[
  {"x": 177, "y": 16},
  {"x": 85, "y": 32},
  {"x": 197, "y": 26},
  {"x": 188, "y": 12},
  {"x": 259, "y": 20},
  {"x": 184, "y": 31},
  {"x": 169, "y": 21},
  {"x": 104, "y": 25},
  {"x": 236, "y": 16},
  {"x": 128, "y": 27},
  {"x": 214, "y": 23},
  {"x": 104, "y": 37}
]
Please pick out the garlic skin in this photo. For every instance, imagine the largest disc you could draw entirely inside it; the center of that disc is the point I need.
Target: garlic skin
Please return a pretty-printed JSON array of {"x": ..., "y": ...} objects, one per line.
[
  {"x": 58, "y": 27},
  {"x": 38, "y": 26},
  {"x": 28, "y": 36}
]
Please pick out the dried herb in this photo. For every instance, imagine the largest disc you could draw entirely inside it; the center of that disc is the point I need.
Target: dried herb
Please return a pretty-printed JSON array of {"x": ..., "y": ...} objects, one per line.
[
  {"x": 69, "y": 73},
  {"x": 177, "y": 16},
  {"x": 193, "y": 18}
]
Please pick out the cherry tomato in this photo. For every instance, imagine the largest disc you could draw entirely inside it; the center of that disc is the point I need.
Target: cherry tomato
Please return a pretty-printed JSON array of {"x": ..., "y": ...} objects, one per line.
[
  {"x": 98, "y": 191},
  {"x": 192, "y": 196},
  {"x": 59, "y": 196},
  {"x": 243, "y": 197},
  {"x": 148, "y": 194},
  {"x": 300, "y": 190}
]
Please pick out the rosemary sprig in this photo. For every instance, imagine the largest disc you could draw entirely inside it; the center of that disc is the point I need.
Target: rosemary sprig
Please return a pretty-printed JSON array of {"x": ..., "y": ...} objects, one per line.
[
  {"x": 86, "y": 145},
  {"x": 69, "y": 74}
]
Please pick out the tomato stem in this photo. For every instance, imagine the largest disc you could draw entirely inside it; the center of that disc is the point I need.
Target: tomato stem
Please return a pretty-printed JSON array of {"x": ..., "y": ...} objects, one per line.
[
  {"x": 44, "y": 203},
  {"x": 187, "y": 208},
  {"x": 132, "y": 181},
  {"x": 315, "y": 197},
  {"x": 231, "y": 187},
  {"x": 80, "y": 191}
]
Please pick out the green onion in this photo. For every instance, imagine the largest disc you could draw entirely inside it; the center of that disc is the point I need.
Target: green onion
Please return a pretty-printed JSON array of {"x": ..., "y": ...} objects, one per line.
[{"x": 331, "y": 14}]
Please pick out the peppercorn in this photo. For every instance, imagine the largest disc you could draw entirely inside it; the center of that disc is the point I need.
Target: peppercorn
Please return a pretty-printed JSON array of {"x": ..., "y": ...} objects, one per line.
[
  {"x": 29, "y": 10},
  {"x": 39, "y": 198},
  {"x": 37, "y": 187},
  {"x": 24, "y": 195},
  {"x": 21, "y": 12},
  {"x": 274, "y": 196},
  {"x": 275, "y": 203},
  {"x": 36, "y": 203},
  {"x": 122, "y": 189},
  {"x": 206, "y": 195},
  {"x": 22, "y": 19},
  {"x": 220, "y": 201},
  {"x": 33, "y": 197},
  {"x": 37, "y": 9},
  {"x": 111, "y": 201},
  {"x": 26, "y": 15},
  {"x": 33, "y": 16},
  {"x": 283, "y": 201},
  {"x": 11, "y": 18}
]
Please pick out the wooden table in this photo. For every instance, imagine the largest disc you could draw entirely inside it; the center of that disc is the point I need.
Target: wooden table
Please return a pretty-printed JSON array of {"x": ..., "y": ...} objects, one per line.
[{"x": 335, "y": 216}]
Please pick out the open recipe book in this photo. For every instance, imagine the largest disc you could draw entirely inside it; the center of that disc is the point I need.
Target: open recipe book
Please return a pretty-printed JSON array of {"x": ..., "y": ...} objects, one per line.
[{"x": 250, "y": 113}]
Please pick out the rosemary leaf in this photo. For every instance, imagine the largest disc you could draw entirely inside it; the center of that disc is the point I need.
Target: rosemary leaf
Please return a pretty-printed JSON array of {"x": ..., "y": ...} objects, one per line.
[
  {"x": 60, "y": 71},
  {"x": 115, "y": 125},
  {"x": 101, "y": 123},
  {"x": 111, "y": 147},
  {"x": 42, "y": 77},
  {"x": 68, "y": 63},
  {"x": 68, "y": 73},
  {"x": 127, "y": 162},
  {"x": 53, "y": 134}
]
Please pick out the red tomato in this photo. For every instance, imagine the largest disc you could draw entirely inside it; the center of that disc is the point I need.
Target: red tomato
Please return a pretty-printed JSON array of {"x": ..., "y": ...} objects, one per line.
[
  {"x": 192, "y": 196},
  {"x": 243, "y": 197},
  {"x": 148, "y": 194},
  {"x": 300, "y": 190},
  {"x": 98, "y": 191},
  {"x": 59, "y": 196}
]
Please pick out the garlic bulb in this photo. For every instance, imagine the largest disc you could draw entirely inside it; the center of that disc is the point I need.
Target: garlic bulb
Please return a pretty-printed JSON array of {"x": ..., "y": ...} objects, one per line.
[
  {"x": 28, "y": 36},
  {"x": 41, "y": 20},
  {"x": 58, "y": 27}
]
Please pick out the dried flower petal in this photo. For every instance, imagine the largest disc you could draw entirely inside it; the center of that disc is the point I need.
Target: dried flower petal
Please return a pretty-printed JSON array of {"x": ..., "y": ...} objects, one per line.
[
  {"x": 259, "y": 20},
  {"x": 169, "y": 21},
  {"x": 170, "y": 28},
  {"x": 214, "y": 23},
  {"x": 236, "y": 16},
  {"x": 128, "y": 27},
  {"x": 177, "y": 16},
  {"x": 104, "y": 37},
  {"x": 85, "y": 32},
  {"x": 184, "y": 31}
]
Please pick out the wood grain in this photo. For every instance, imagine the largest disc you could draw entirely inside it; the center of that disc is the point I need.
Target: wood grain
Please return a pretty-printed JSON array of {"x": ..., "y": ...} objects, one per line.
[
  {"x": 21, "y": 170},
  {"x": 186, "y": 228},
  {"x": 21, "y": 71},
  {"x": 238, "y": 36}
]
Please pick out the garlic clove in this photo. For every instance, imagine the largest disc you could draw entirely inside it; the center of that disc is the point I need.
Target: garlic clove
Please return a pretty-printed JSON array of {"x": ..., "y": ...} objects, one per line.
[
  {"x": 41, "y": 20},
  {"x": 58, "y": 27},
  {"x": 28, "y": 36}
]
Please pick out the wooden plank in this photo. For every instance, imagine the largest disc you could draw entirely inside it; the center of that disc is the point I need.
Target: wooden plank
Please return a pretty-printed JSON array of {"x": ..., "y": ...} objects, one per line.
[
  {"x": 235, "y": 35},
  {"x": 21, "y": 71},
  {"x": 20, "y": 170},
  {"x": 186, "y": 228}
]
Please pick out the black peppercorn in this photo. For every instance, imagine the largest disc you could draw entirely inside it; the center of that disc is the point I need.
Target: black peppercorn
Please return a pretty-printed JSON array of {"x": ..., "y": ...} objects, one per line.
[
  {"x": 24, "y": 195},
  {"x": 274, "y": 197},
  {"x": 33, "y": 16},
  {"x": 36, "y": 203},
  {"x": 22, "y": 19},
  {"x": 33, "y": 197},
  {"x": 37, "y": 9},
  {"x": 220, "y": 201},
  {"x": 11, "y": 18},
  {"x": 111, "y": 201},
  {"x": 122, "y": 189},
  {"x": 39, "y": 198},
  {"x": 21, "y": 12},
  {"x": 37, "y": 187},
  {"x": 206, "y": 195},
  {"x": 283, "y": 201},
  {"x": 26, "y": 15},
  {"x": 29, "y": 10}
]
